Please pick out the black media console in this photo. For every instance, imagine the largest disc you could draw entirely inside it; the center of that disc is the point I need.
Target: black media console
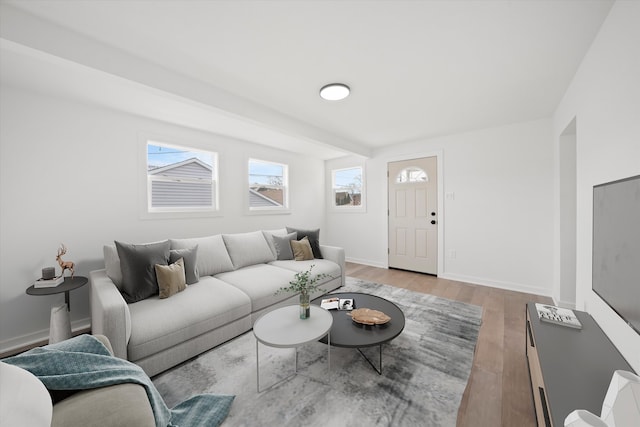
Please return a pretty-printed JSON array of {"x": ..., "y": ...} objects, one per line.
[{"x": 569, "y": 368}]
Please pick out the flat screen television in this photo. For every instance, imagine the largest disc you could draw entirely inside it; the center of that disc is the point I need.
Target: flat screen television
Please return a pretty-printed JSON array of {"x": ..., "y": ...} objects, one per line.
[{"x": 616, "y": 247}]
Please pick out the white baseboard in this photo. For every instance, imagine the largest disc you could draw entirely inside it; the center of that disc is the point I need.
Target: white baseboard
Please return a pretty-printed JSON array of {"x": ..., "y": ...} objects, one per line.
[
  {"x": 34, "y": 338},
  {"x": 366, "y": 262},
  {"x": 509, "y": 286}
]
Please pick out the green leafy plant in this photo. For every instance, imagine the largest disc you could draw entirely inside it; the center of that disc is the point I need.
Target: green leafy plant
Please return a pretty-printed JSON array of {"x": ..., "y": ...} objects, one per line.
[{"x": 304, "y": 282}]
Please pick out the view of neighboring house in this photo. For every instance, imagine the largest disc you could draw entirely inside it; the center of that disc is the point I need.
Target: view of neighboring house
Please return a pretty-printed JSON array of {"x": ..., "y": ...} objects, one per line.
[
  {"x": 190, "y": 183},
  {"x": 346, "y": 198},
  {"x": 185, "y": 183},
  {"x": 261, "y": 196}
]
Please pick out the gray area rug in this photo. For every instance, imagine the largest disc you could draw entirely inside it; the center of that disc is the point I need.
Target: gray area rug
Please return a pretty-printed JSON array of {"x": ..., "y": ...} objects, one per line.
[{"x": 425, "y": 372}]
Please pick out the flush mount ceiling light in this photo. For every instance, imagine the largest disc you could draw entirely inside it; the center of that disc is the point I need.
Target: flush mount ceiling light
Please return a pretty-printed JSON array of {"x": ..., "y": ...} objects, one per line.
[{"x": 334, "y": 91}]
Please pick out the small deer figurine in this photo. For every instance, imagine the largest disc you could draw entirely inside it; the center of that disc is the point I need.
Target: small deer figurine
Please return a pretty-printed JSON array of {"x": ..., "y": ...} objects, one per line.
[{"x": 64, "y": 265}]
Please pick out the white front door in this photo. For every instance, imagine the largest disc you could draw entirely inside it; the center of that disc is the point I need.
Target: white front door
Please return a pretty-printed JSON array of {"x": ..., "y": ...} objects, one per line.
[{"x": 413, "y": 208}]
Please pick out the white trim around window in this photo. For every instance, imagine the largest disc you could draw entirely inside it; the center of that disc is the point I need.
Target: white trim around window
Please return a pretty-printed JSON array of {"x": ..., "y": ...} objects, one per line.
[
  {"x": 267, "y": 187},
  {"x": 347, "y": 192},
  {"x": 177, "y": 180}
]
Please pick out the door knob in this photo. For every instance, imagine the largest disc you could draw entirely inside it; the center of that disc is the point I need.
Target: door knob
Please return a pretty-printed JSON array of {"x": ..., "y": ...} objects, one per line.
[
  {"x": 433, "y": 221},
  {"x": 433, "y": 214}
]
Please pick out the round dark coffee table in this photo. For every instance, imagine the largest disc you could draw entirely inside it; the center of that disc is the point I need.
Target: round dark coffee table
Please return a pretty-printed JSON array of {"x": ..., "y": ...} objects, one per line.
[
  {"x": 69, "y": 284},
  {"x": 347, "y": 333}
]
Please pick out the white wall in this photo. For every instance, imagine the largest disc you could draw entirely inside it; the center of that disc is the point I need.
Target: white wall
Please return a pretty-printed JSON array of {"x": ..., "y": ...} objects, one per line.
[
  {"x": 565, "y": 286},
  {"x": 500, "y": 221},
  {"x": 69, "y": 173},
  {"x": 604, "y": 97}
]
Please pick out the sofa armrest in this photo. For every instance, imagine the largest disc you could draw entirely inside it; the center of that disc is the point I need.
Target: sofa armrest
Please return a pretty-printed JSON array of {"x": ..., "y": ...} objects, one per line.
[
  {"x": 335, "y": 254},
  {"x": 109, "y": 312},
  {"x": 124, "y": 404},
  {"x": 105, "y": 341}
]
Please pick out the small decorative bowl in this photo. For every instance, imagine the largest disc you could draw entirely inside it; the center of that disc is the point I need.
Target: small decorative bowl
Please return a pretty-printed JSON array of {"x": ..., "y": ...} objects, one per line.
[{"x": 367, "y": 316}]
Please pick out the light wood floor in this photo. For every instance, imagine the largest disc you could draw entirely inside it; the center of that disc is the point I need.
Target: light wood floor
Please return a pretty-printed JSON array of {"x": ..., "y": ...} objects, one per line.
[{"x": 498, "y": 392}]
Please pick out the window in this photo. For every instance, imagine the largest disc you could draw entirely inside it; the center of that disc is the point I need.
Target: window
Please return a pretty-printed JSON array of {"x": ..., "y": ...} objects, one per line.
[
  {"x": 411, "y": 174},
  {"x": 268, "y": 186},
  {"x": 347, "y": 188},
  {"x": 180, "y": 179}
]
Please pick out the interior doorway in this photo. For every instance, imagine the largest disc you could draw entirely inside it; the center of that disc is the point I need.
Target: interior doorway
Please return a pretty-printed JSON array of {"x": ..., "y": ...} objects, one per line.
[{"x": 413, "y": 214}]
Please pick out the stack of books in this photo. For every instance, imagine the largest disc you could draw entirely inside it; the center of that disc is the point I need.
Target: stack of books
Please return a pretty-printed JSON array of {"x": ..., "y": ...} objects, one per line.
[{"x": 48, "y": 283}]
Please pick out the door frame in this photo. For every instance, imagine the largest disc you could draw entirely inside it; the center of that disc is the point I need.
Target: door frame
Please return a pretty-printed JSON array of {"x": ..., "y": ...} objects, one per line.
[{"x": 439, "y": 155}]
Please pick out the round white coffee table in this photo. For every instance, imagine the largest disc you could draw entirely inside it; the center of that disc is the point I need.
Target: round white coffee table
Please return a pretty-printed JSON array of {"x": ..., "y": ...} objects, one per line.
[{"x": 283, "y": 328}]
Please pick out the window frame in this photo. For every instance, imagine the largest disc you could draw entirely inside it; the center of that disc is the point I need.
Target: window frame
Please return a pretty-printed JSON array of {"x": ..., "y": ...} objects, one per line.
[
  {"x": 348, "y": 208},
  {"x": 259, "y": 210},
  {"x": 169, "y": 212}
]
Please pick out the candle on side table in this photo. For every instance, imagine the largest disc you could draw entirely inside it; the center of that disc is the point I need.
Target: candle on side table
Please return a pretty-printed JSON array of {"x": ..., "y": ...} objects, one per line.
[{"x": 48, "y": 273}]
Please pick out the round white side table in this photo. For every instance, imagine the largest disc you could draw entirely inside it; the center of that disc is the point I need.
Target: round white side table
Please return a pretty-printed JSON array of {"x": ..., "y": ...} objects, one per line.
[{"x": 283, "y": 328}]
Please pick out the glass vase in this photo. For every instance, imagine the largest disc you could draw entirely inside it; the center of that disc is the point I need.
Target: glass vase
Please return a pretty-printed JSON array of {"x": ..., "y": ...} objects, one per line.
[{"x": 305, "y": 308}]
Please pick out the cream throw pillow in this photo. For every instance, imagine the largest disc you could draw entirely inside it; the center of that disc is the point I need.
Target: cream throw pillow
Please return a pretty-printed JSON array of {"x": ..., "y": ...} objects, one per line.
[
  {"x": 171, "y": 278},
  {"x": 301, "y": 249}
]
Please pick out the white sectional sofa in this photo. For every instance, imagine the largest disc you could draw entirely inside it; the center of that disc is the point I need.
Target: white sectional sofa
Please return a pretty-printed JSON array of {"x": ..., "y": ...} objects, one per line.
[{"x": 238, "y": 277}]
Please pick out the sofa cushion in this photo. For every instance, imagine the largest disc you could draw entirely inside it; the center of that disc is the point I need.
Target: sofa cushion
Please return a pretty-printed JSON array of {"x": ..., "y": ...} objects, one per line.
[
  {"x": 171, "y": 278},
  {"x": 157, "y": 325},
  {"x": 190, "y": 257},
  {"x": 112, "y": 265},
  {"x": 312, "y": 235},
  {"x": 138, "y": 268},
  {"x": 319, "y": 266},
  {"x": 212, "y": 253},
  {"x": 260, "y": 282},
  {"x": 248, "y": 249},
  {"x": 116, "y": 405},
  {"x": 283, "y": 246},
  {"x": 301, "y": 249},
  {"x": 24, "y": 399}
]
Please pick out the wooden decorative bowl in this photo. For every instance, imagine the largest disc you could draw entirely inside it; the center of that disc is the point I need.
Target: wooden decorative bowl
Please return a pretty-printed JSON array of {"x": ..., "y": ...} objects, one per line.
[{"x": 367, "y": 316}]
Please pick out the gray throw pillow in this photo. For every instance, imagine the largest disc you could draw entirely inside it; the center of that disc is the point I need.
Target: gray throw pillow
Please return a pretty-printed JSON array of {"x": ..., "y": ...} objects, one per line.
[
  {"x": 190, "y": 257},
  {"x": 137, "y": 263},
  {"x": 268, "y": 234},
  {"x": 313, "y": 236},
  {"x": 283, "y": 245}
]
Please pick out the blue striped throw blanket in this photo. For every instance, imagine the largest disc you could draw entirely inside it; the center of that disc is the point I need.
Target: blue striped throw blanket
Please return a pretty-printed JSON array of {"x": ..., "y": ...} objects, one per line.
[{"x": 83, "y": 362}]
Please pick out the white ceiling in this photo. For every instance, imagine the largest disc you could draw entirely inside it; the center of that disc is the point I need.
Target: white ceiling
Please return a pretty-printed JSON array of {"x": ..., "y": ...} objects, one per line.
[{"x": 417, "y": 69}]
